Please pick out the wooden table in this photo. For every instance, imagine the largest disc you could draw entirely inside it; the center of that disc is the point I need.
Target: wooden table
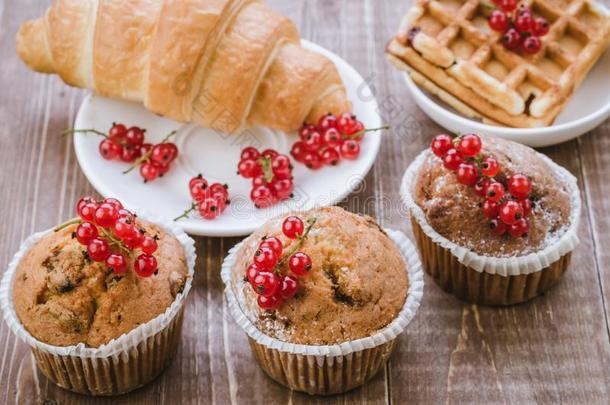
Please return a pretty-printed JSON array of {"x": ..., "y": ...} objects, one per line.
[{"x": 555, "y": 349}]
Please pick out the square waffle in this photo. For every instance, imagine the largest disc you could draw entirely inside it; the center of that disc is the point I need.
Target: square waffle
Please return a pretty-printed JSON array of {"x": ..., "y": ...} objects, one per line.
[{"x": 447, "y": 47}]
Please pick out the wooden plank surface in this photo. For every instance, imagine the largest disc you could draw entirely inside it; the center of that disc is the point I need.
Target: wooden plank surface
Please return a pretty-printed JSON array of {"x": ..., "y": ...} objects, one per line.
[{"x": 555, "y": 349}]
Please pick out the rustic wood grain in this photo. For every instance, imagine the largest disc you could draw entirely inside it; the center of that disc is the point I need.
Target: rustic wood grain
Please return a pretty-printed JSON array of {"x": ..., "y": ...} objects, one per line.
[{"x": 555, "y": 349}]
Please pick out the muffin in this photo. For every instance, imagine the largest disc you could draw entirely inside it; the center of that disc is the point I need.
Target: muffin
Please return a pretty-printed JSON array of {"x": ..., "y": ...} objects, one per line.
[
  {"x": 93, "y": 328},
  {"x": 494, "y": 220},
  {"x": 345, "y": 289}
]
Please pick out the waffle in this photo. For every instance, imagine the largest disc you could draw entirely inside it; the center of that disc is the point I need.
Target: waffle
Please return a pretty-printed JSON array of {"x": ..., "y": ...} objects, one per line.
[{"x": 447, "y": 47}]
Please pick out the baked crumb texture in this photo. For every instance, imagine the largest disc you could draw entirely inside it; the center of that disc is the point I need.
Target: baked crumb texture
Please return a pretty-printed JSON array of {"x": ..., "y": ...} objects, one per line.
[
  {"x": 63, "y": 299},
  {"x": 357, "y": 285},
  {"x": 453, "y": 209}
]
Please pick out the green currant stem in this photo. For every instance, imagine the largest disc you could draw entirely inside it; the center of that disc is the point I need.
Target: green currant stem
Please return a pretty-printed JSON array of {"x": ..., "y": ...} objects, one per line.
[
  {"x": 73, "y": 221},
  {"x": 360, "y": 134},
  {"x": 300, "y": 240},
  {"x": 147, "y": 155},
  {"x": 186, "y": 213},
  {"x": 74, "y": 131},
  {"x": 265, "y": 162}
]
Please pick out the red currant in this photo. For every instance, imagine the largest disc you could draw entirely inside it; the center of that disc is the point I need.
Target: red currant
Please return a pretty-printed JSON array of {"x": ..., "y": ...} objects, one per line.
[
  {"x": 109, "y": 149},
  {"x": 145, "y": 265},
  {"x": 282, "y": 188},
  {"x": 269, "y": 153},
  {"x": 511, "y": 39},
  {"x": 149, "y": 172},
  {"x": 198, "y": 180},
  {"x": 259, "y": 181},
  {"x": 163, "y": 169},
  {"x": 532, "y": 45},
  {"x": 540, "y": 27},
  {"x": 251, "y": 273},
  {"x": 330, "y": 157},
  {"x": 210, "y": 208},
  {"x": 519, "y": 186},
  {"x": 498, "y": 21},
  {"x": 288, "y": 287},
  {"x": 495, "y": 192},
  {"x": 262, "y": 197},
  {"x": 305, "y": 130},
  {"x": 218, "y": 191},
  {"x": 507, "y": 5},
  {"x": 490, "y": 167},
  {"x": 269, "y": 303},
  {"x": 524, "y": 22},
  {"x": 281, "y": 165},
  {"x": 469, "y": 145},
  {"x": 299, "y": 263},
  {"x": 498, "y": 227},
  {"x": 84, "y": 200},
  {"x": 145, "y": 148},
  {"x": 117, "y": 263},
  {"x": 526, "y": 206},
  {"x": 134, "y": 136},
  {"x": 98, "y": 250},
  {"x": 266, "y": 283},
  {"x": 510, "y": 212},
  {"x": 490, "y": 209},
  {"x": 312, "y": 160},
  {"x": 313, "y": 142},
  {"x": 249, "y": 153},
  {"x": 125, "y": 230},
  {"x": 149, "y": 245},
  {"x": 135, "y": 240},
  {"x": 117, "y": 132},
  {"x": 327, "y": 121},
  {"x": 467, "y": 174},
  {"x": 114, "y": 202},
  {"x": 274, "y": 244},
  {"x": 332, "y": 137},
  {"x": 86, "y": 209},
  {"x": 85, "y": 233},
  {"x": 249, "y": 168},
  {"x": 441, "y": 144},
  {"x": 265, "y": 258},
  {"x": 293, "y": 227},
  {"x": 130, "y": 153},
  {"x": 350, "y": 149},
  {"x": 298, "y": 151},
  {"x": 126, "y": 215},
  {"x": 481, "y": 186},
  {"x": 519, "y": 228},
  {"x": 452, "y": 159},
  {"x": 106, "y": 215},
  {"x": 163, "y": 153}
]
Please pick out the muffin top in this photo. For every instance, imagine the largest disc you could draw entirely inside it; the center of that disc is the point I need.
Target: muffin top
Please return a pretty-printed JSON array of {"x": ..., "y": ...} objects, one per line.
[
  {"x": 454, "y": 209},
  {"x": 63, "y": 298},
  {"x": 357, "y": 284}
]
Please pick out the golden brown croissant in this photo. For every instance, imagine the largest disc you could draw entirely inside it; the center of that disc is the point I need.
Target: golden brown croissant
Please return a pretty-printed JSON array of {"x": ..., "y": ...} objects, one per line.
[{"x": 224, "y": 64}]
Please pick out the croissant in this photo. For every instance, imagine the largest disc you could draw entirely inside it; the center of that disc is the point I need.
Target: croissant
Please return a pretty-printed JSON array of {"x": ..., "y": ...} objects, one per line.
[{"x": 224, "y": 64}]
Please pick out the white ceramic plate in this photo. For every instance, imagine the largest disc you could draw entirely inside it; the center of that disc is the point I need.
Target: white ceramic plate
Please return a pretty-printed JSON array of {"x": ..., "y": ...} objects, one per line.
[
  {"x": 587, "y": 108},
  {"x": 216, "y": 156}
]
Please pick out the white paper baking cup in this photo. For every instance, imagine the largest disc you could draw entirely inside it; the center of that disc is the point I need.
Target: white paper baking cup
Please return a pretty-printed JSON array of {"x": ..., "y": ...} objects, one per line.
[
  {"x": 117, "y": 350},
  {"x": 307, "y": 357},
  {"x": 504, "y": 266}
]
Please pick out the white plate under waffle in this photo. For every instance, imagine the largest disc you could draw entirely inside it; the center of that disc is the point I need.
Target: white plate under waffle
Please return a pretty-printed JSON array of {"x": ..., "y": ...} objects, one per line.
[
  {"x": 587, "y": 108},
  {"x": 215, "y": 156}
]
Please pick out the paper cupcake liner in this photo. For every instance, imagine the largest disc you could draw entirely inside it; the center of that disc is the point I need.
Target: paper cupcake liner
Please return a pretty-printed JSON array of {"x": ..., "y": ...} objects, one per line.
[
  {"x": 487, "y": 279},
  {"x": 121, "y": 365},
  {"x": 329, "y": 369}
]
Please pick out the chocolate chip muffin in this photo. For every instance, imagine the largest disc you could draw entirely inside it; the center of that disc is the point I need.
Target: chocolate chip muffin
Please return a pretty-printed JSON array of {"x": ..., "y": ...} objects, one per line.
[
  {"x": 357, "y": 284},
  {"x": 63, "y": 298},
  {"x": 495, "y": 221},
  {"x": 454, "y": 209}
]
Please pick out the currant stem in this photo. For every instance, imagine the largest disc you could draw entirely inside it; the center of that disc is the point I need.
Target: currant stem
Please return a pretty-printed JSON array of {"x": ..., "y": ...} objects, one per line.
[
  {"x": 300, "y": 240},
  {"x": 74, "y": 131},
  {"x": 359, "y": 134},
  {"x": 186, "y": 213},
  {"x": 266, "y": 166},
  {"x": 115, "y": 242},
  {"x": 147, "y": 155},
  {"x": 73, "y": 221}
]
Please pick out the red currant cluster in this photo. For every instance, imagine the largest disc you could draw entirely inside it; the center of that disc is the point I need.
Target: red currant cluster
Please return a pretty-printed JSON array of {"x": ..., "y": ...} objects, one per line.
[
  {"x": 209, "y": 200},
  {"x": 111, "y": 235},
  {"x": 333, "y": 139},
  {"x": 264, "y": 274},
  {"x": 271, "y": 175},
  {"x": 129, "y": 146},
  {"x": 508, "y": 211},
  {"x": 520, "y": 28}
]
